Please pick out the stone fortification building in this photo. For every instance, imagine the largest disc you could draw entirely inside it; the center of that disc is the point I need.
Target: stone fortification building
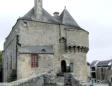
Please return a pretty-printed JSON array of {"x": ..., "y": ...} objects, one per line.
[
  {"x": 102, "y": 70},
  {"x": 40, "y": 42}
]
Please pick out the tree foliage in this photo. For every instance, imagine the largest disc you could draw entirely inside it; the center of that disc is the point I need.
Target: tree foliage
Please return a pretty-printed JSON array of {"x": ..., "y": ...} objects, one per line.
[{"x": 0, "y": 58}]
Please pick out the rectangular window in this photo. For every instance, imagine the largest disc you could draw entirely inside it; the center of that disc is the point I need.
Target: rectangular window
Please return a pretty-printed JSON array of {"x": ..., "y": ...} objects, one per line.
[
  {"x": 34, "y": 61},
  {"x": 71, "y": 67}
]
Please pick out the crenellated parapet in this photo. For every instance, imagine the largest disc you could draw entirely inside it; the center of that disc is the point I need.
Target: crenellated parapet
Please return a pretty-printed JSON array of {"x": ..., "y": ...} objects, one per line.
[
  {"x": 72, "y": 48},
  {"x": 77, "y": 49}
]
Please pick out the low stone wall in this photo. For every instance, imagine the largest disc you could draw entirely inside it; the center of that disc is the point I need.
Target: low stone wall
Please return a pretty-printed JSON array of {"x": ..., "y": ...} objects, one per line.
[
  {"x": 32, "y": 81},
  {"x": 77, "y": 82}
]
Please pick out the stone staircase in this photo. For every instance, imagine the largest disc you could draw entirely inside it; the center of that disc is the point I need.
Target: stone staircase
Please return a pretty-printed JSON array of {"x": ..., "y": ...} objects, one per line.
[
  {"x": 60, "y": 81},
  {"x": 67, "y": 80}
]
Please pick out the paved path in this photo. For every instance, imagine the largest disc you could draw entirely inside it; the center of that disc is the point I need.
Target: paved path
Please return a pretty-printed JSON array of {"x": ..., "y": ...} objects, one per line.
[{"x": 101, "y": 85}]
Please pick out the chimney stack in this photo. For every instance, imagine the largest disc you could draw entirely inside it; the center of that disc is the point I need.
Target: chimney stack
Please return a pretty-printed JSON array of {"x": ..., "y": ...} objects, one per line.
[
  {"x": 38, "y": 9},
  {"x": 56, "y": 14}
]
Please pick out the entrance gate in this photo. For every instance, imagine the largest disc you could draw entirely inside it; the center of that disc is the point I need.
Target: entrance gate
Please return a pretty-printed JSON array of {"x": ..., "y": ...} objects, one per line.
[{"x": 63, "y": 66}]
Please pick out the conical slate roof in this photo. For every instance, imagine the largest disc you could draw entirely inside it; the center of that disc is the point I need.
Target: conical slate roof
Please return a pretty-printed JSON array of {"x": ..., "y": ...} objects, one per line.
[{"x": 65, "y": 18}]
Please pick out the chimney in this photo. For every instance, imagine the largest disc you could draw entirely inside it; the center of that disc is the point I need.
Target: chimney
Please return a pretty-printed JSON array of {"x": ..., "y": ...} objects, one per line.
[
  {"x": 38, "y": 9},
  {"x": 56, "y": 14}
]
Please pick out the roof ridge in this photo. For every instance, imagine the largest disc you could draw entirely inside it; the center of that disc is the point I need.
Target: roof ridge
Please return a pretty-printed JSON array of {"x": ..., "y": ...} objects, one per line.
[
  {"x": 65, "y": 18},
  {"x": 62, "y": 14}
]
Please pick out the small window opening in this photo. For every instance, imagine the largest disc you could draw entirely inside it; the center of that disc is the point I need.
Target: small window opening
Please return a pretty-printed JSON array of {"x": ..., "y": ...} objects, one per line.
[
  {"x": 93, "y": 74},
  {"x": 71, "y": 67},
  {"x": 78, "y": 48},
  {"x": 25, "y": 24},
  {"x": 62, "y": 40},
  {"x": 70, "y": 48},
  {"x": 93, "y": 69},
  {"x": 43, "y": 50},
  {"x": 34, "y": 61}
]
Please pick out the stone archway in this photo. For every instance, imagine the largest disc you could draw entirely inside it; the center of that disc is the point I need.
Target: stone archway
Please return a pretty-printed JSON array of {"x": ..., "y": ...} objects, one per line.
[{"x": 63, "y": 66}]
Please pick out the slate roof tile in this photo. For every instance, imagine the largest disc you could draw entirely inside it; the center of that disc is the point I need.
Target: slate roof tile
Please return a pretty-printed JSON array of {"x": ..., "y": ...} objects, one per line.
[{"x": 65, "y": 18}]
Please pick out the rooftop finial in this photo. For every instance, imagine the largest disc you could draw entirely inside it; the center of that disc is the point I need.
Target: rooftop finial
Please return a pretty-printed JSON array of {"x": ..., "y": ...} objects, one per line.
[
  {"x": 65, "y": 6},
  {"x": 66, "y": 3}
]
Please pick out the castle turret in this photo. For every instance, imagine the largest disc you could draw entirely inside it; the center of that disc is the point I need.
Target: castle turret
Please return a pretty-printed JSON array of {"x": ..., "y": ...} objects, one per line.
[{"x": 38, "y": 9}]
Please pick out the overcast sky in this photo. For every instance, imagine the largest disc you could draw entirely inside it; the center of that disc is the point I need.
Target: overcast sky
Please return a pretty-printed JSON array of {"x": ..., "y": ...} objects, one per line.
[{"x": 94, "y": 16}]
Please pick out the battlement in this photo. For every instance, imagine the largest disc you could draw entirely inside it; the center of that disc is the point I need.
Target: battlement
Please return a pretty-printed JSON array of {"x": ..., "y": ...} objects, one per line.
[{"x": 77, "y": 49}]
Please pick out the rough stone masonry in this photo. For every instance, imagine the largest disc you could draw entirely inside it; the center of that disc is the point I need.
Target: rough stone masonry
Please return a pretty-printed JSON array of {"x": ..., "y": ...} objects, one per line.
[{"x": 40, "y": 42}]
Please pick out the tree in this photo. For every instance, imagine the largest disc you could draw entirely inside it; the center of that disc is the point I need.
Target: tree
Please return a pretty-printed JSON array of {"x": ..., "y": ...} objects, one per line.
[{"x": 0, "y": 58}]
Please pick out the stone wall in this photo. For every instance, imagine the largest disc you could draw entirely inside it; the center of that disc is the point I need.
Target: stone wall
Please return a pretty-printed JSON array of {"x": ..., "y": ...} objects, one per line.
[
  {"x": 102, "y": 73},
  {"x": 9, "y": 59},
  {"x": 38, "y": 34},
  {"x": 32, "y": 33},
  {"x": 70, "y": 80},
  {"x": 110, "y": 76},
  {"x": 78, "y": 60},
  {"x": 45, "y": 63},
  {"x": 32, "y": 81},
  {"x": 9, "y": 53},
  {"x": 77, "y": 37}
]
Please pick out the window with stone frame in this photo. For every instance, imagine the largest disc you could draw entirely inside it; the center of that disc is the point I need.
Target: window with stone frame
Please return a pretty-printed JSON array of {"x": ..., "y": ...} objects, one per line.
[{"x": 34, "y": 60}]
